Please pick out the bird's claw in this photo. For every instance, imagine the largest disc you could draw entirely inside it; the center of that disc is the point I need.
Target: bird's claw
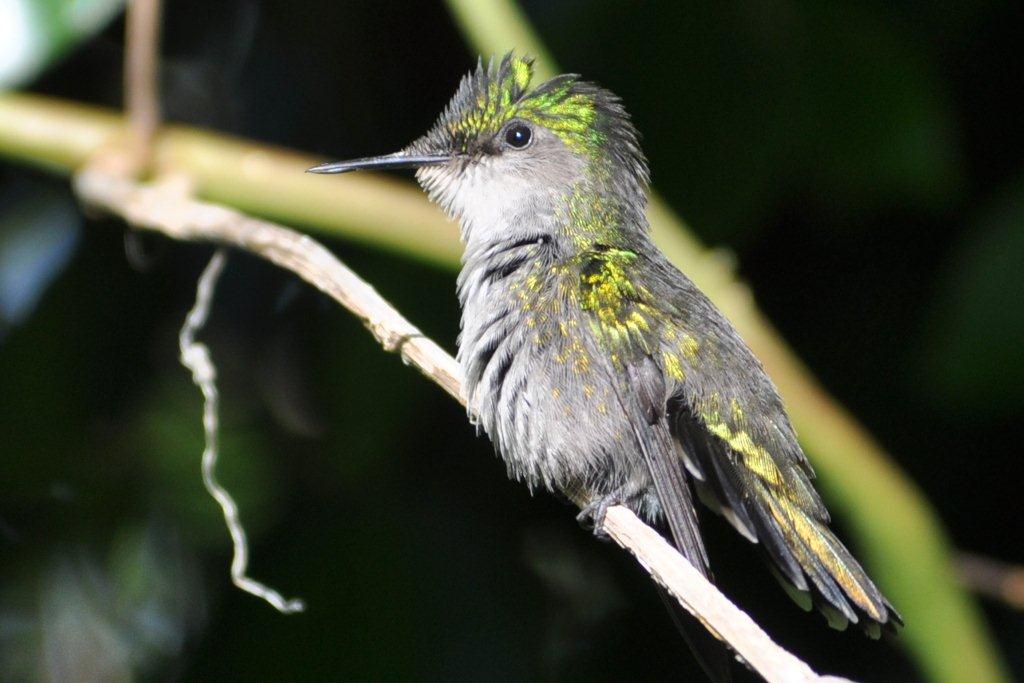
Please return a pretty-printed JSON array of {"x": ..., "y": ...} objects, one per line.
[{"x": 592, "y": 516}]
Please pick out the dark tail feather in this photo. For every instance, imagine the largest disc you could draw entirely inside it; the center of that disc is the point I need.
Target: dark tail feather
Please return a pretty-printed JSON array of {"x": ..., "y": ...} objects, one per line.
[
  {"x": 676, "y": 498},
  {"x": 661, "y": 454},
  {"x": 712, "y": 655}
]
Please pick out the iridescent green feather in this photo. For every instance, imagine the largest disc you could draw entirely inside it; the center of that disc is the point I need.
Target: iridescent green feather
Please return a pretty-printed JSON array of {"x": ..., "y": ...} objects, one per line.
[{"x": 500, "y": 93}]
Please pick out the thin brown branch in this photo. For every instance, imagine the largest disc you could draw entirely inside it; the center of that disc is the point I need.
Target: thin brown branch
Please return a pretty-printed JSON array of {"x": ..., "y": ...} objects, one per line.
[
  {"x": 196, "y": 357},
  {"x": 142, "y": 54},
  {"x": 162, "y": 207},
  {"x": 142, "y": 47},
  {"x": 992, "y": 578}
]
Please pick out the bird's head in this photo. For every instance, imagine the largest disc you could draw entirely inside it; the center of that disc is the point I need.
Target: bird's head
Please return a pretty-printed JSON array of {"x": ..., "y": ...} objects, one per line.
[{"x": 502, "y": 152}]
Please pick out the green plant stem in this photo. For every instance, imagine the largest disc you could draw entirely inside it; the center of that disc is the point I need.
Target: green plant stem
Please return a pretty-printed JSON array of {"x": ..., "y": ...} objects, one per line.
[
  {"x": 259, "y": 179},
  {"x": 895, "y": 527}
]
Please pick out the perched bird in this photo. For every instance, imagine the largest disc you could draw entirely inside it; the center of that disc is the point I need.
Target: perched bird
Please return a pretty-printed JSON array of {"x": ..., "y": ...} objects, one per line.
[{"x": 597, "y": 369}]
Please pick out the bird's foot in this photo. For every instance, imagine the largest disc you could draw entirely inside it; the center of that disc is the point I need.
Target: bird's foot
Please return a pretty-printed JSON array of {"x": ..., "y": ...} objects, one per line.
[{"x": 592, "y": 516}]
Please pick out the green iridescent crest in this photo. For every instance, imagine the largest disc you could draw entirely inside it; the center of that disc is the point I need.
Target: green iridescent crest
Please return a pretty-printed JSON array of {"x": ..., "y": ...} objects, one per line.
[{"x": 495, "y": 94}]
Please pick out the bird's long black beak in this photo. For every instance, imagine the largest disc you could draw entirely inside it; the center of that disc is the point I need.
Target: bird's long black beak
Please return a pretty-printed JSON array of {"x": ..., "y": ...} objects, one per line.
[{"x": 387, "y": 162}]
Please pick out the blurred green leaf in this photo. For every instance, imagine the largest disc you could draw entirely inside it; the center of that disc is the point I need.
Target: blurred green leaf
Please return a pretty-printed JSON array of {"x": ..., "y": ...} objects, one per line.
[
  {"x": 169, "y": 440},
  {"x": 36, "y": 33},
  {"x": 868, "y": 111},
  {"x": 973, "y": 358},
  {"x": 743, "y": 105},
  {"x": 84, "y": 618},
  {"x": 39, "y": 230}
]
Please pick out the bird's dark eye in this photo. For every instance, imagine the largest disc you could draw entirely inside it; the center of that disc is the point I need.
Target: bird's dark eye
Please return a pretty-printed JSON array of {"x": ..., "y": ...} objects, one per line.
[{"x": 518, "y": 135}]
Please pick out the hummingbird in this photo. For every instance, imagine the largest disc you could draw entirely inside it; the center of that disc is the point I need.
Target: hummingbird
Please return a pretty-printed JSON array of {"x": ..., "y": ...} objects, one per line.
[{"x": 598, "y": 370}]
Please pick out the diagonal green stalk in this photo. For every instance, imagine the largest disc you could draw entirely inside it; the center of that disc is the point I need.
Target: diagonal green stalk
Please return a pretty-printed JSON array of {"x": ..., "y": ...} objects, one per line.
[{"x": 896, "y": 529}]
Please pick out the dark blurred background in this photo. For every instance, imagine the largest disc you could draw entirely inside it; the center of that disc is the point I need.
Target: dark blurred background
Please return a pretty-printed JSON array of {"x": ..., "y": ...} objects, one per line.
[{"x": 862, "y": 161}]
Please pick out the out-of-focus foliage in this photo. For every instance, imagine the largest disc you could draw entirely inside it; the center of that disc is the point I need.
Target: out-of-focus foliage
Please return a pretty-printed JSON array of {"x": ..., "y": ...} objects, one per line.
[
  {"x": 838, "y": 96},
  {"x": 35, "y": 33},
  {"x": 862, "y": 161},
  {"x": 973, "y": 357},
  {"x": 39, "y": 230},
  {"x": 79, "y": 617}
]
